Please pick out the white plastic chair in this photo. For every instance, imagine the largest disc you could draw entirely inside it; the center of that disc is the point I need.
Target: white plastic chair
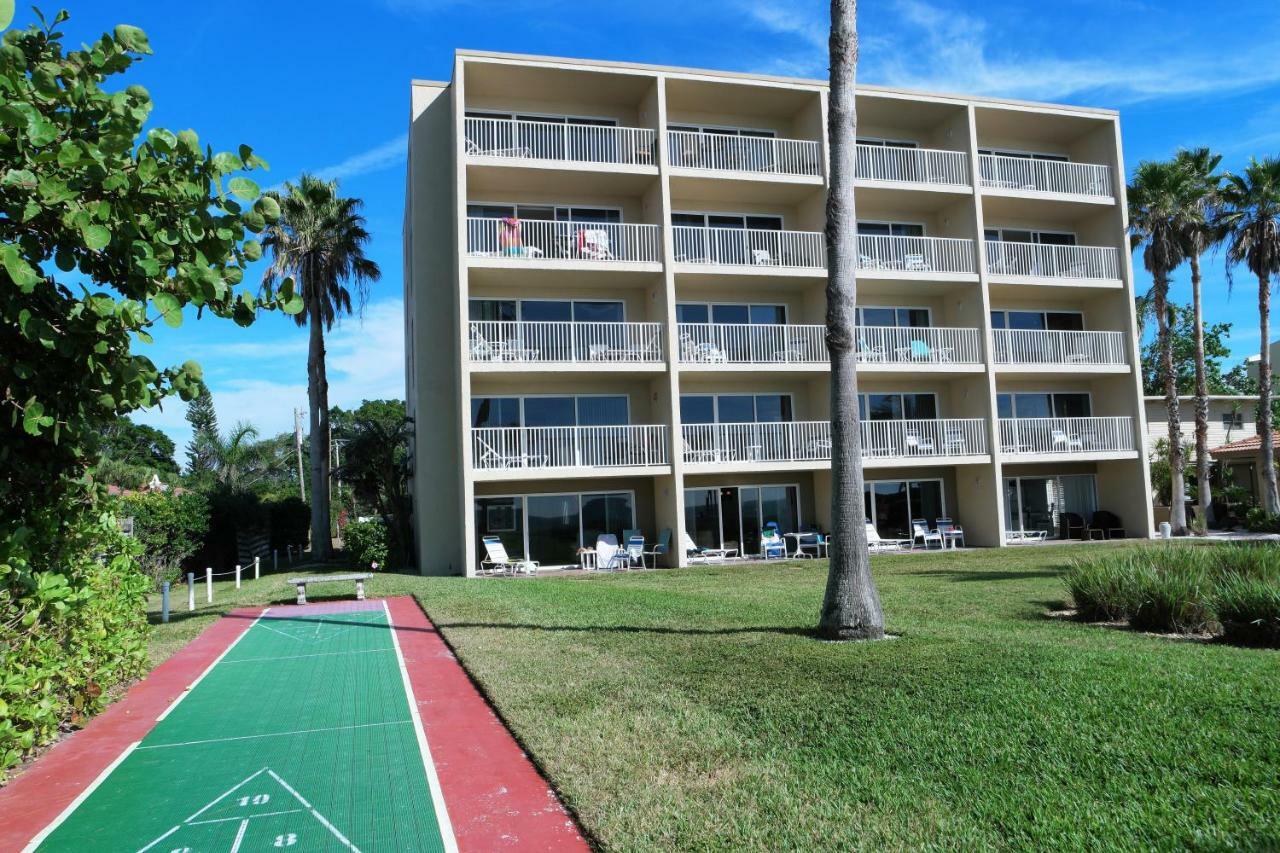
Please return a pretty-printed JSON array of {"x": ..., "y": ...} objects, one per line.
[
  {"x": 917, "y": 444},
  {"x": 593, "y": 243},
  {"x": 951, "y": 532},
  {"x": 635, "y": 551},
  {"x": 1061, "y": 439},
  {"x": 921, "y": 533}
]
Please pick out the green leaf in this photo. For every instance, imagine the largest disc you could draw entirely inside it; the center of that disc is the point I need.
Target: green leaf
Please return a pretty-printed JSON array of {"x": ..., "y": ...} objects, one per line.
[
  {"x": 96, "y": 236},
  {"x": 41, "y": 131},
  {"x": 19, "y": 178},
  {"x": 169, "y": 307},
  {"x": 225, "y": 161},
  {"x": 18, "y": 269},
  {"x": 268, "y": 208},
  {"x": 132, "y": 39},
  {"x": 189, "y": 141},
  {"x": 162, "y": 140},
  {"x": 252, "y": 250},
  {"x": 244, "y": 188}
]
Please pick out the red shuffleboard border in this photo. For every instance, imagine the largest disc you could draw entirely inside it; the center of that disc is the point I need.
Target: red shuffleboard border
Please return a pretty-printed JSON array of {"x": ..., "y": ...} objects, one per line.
[{"x": 42, "y": 792}]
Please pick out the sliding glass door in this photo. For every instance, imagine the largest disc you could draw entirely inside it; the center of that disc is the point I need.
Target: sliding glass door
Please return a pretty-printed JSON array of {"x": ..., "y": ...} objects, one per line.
[
  {"x": 892, "y": 504},
  {"x": 551, "y": 528},
  {"x": 1041, "y": 503},
  {"x": 733, "y": 516}
]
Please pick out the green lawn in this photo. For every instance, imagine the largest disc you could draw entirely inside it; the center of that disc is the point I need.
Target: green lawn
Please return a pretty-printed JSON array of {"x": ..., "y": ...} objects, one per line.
[{"x": 692, "y": 709}]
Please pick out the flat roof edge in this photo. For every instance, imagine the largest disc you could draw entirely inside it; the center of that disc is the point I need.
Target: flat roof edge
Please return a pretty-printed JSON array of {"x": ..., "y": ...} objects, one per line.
[
  {"x": 774, "y": 78},
  {"x": 435, "y": 84}
]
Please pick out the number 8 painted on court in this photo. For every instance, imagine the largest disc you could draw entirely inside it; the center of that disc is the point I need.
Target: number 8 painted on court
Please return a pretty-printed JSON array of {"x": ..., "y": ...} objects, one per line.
[{"x": 286, "y": 840}]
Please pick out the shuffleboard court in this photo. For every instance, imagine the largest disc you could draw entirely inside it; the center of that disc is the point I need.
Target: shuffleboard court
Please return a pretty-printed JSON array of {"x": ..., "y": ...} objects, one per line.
[{"x": 302, "y": 735}]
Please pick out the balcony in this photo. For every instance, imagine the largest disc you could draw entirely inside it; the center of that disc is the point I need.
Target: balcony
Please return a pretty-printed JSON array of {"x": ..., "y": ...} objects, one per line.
[
  {"x": 888, "y": 347},
  {"x": 560, "y": 142},
  {"x": 521, "y": 449},
  {"x": 810, "y": 441},
  {"x": 755, "y": 247},
  {"x": 1109, "y": 436},
  {"x": 529, "y": 344},
  {"x": 1057, "y": 350},
  {"x": 930, "y": 166},
  {"x": 1023, "y": 174},
  {"x": 733, "y": 153},
  {"x": 541, "y": 240},
  {"x": 1036, "y": 260},
  {"x": 894, "y": 255}
]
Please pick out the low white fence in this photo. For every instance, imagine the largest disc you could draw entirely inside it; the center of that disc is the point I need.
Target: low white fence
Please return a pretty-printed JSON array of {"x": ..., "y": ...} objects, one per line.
[
  {"x": 808, "y": 441},
  {"x": 1050, "y": 261},
  {"x": 568, "y": 447},
  {"x": 1065, "y": 435},
  {"x": 529, "y": 341},
  {"x": 1047, "y": 176},
  {"x": 541, "y": 140},
  {"x": 693, "y": 150},
  {"x": 749, "y": 246},
  {"x": 915, "y": 254},
  {"x": 913, "y": 165},
  {"x": 1030, "y": 346},
  {"x": 533, "y": 239}
]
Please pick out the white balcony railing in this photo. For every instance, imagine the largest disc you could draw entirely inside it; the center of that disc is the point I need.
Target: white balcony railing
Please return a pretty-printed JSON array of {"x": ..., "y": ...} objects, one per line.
[
  {"x": 915, "y": 254},
  {"x": 568, "y": 447},
  {"x": 913, "y": 165},
  {"x": 1030, "y": 346},
  {"x": 692, "y": 150},
  {"x": 810, "y": 441},
  {"x": 918, "y": 345},
  {"x": 1045, "y": 176},
  {"x": 540, "y": 140},
  {"x": 534, "y": 239},
  {"x": 750, "y": 247},
  {"x": 606, "y": 343},
  {"x": 1034, "y": 436},
  {"x": 1048, "y": 261}
]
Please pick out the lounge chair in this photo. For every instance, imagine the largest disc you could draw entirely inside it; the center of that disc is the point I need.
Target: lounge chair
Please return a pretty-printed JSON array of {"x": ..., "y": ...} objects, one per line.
[
  {"x": 491, "y": 457},
  {"x": 483, "y": 349},
  {"x": 698, "y": 554},
  {"x": 921, "y": 533},
  {"x": 476, "y": 151},
  {"x": 771, "y": 542},
  {"x": 875, "y": 543},
  {"x": 867, "y": 352},
  {"x": 693, "y": 351},
  {"x": 707, "y": 455},
  {"x": 497, "y": 562}
]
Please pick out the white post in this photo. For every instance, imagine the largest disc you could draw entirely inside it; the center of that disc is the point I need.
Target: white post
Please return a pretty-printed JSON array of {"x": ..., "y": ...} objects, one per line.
[
  {"x": 191, "y": 590},
  {"x": 164, "y": 602},
  {"x": 257, "y": 567},
  {"x": 237, "y": 575},
  {"x": 208, "y": 584}
]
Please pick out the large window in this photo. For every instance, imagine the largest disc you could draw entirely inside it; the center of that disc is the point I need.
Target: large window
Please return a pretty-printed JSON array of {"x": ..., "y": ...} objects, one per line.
[
  {"x": 1058, "y": 505},
  {"x": 551, "y": 528},
  {"x": 568, "y": 138},
  {"x": 1025, "y": 155},
  {"x": 758, "y": 314},
  {"x": 900, "y": 317},
  {"x": 733, "y": 516},
  {"x": 898, "y": 406},
  {"x": 1067, "y": 404},
  {"x": 724, "y": 244},
  {"x": 735, "y": 408},
  {"x": 1069, "y": 321},
  {"x": 890, "y": 229},
  {"x": 1024, "y": 235},
  {"x": 540, "y": 310},
  {"x": 558, "y": 213},
  {"x": 891, "y": 505},
  {"x": 594, "y": 410}
]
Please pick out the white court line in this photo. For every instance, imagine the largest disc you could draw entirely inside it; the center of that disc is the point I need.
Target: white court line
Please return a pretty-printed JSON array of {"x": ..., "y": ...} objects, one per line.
[
  {"x": 235, "y": 847},
  {"x": 323, "y": 820},
  {"x": 192, "y": 686},
  {"x": 227, "y": 819},
  {"x": 316, "y": 655},
  {"x": 75, "y": 804},
  {"x": 274, "y": 734},
  {"x": 433, "y": 781}
]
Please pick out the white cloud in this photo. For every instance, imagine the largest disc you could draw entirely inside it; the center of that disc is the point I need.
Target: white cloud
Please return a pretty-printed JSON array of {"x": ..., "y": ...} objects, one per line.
[
  {"x": 385, "y": 156},
  {"x": 365, "y": 361},
  {"x": 941, "y": 49}
]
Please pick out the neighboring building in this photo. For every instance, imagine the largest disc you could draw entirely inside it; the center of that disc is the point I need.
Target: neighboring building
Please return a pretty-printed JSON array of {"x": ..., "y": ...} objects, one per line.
[
  {"x": 1243, "y": 461},
  {"x": 614, "y": 287},
  {"x": 1231, "y": 418},
  {"x": 1251, "y": 364}
]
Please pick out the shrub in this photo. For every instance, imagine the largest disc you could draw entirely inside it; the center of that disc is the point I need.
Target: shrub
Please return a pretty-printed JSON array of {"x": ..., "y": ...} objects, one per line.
[
  {"x": 366, "y": 543},
  {"x": 290, "y": 520},
  {"x": 1258, "y": 520},
  {"x": 170, "y": 528},
  {"x": 1101, "y": 587},
  {"x": 1173, "y": 592},
  {"x": 1249, "y": 609},
  {"x": 68, "y": 636}
]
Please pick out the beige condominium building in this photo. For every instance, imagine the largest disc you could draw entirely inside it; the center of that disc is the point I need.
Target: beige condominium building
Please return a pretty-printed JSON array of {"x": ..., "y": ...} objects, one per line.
[{"x": 615, "y": 290}]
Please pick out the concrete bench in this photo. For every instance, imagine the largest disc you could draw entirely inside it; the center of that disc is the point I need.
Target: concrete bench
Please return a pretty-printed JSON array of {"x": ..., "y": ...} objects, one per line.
[{"x": 358, "y": 577}]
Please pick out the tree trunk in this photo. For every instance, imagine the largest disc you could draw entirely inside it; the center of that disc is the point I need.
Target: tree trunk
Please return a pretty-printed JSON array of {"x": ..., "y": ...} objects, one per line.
[
  {"x": 1270, "y": 501},
  {"x": 1164, "y": 341},
  {"x": 318, "y": 399},
  {"x": 1203, "y": 497},
  {"x": 851, "y": 606}
]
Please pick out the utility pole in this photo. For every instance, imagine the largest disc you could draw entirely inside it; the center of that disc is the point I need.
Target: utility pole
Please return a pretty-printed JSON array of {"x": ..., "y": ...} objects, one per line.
[{"x": 297, "y": 440}]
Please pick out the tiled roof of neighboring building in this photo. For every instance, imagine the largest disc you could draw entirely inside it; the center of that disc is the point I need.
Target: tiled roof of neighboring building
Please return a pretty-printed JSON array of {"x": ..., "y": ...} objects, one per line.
[{"x": 1245, "y": 446}]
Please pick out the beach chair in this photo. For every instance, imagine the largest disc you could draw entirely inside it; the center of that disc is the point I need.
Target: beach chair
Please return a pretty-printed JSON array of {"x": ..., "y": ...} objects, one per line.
[
  {"x": 876, "y": 544},
  {"x": 771, "y": 542},
  {"x": 698, "y": 554},
  {"x": 921, "y": 533},
  {"x": 497, "y": 562},
  {"x": 491, "y": 457},
  {"x": 635, "y": 550},
  {"x": 476, "y": 150}
]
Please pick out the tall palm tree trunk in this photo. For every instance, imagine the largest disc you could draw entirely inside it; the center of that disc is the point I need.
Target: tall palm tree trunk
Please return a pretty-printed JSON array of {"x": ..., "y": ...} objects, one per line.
[
  {"x": 1204, "y": 498},
  {"x": 851, "y": 606},
  {"x": 1270, "y": 500},
  {"x": 1164, "y": 342},
  {"x": 318, "y": 399}
]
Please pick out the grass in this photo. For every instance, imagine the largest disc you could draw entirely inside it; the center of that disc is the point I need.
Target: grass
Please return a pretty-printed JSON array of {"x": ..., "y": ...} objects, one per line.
[{"x": 693, "y": 709}]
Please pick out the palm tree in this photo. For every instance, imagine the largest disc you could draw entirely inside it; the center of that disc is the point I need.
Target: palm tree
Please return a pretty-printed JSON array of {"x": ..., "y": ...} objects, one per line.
[
  {"x": 1158, "y": 204},
  {"x": 1200, "y": 232},
  {"x": 1251, "y": 219},
  {"x": 851, "y": 606},
  {"x": 319, "y": 241}
]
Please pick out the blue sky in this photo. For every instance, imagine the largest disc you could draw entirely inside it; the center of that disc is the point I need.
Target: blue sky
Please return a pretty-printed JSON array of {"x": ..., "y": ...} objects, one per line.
[{"x": 324, "y": 87}]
